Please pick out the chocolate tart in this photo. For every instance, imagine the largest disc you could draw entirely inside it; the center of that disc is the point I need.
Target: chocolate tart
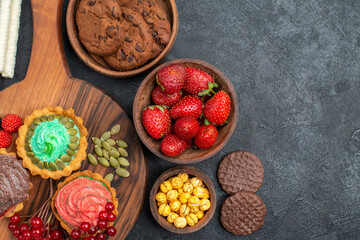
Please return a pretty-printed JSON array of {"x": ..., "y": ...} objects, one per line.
[
  {"x": 87, "y": 184},
  {"x": 14, "y": 184},
  {"x": 52, "y": 142}
]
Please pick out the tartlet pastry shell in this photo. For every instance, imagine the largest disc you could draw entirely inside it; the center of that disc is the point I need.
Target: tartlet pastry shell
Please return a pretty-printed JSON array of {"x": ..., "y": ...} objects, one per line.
[{"x": 75, "y": 164}]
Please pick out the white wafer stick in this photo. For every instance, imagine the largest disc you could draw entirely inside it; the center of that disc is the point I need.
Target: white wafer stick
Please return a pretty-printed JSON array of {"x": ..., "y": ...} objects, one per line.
[
  {"x": 8, "y": 70},
  {"x": 5, "y": 9}
]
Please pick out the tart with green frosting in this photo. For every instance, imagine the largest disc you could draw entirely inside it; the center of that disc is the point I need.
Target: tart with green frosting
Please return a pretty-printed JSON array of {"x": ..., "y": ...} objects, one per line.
[{"x": 52, "y": 142}]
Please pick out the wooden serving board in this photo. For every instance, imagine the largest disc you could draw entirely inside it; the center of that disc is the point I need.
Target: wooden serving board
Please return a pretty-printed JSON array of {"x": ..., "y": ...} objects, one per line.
[{"x": 49, "y": 83}]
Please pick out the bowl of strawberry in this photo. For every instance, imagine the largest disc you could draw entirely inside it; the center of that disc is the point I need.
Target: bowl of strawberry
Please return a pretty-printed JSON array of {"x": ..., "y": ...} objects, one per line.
[{"x": 185, "y": 111}]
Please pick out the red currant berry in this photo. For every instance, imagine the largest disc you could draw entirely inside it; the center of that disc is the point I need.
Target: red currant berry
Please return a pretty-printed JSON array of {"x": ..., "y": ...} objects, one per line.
[
  {"x": 24, "y": 227},
  {"x": 76, "y": 234},
  {"x": 92, "y": 238},
  {"x": 12, "y": 226},
  {"x": 36, "y": 222},
  {"x": 100, "y": 236},
  {"x": 16, "y": 232},
  {"x": 93, "y": 230},
  {"x": 111, "y": 217},
  {"x": 21, "y": 238},
  {"x": 36, "y": 232},
  {"x": 109, "y": 207},
  {"x": 111, "y": 231},
  {"x": 85, "y": 226},
  {"x": 15, "y": 218},
  {"x": 103, "y": 215},
  {"x": 102, "y": 224},
  {"x": 56, "y": 234},
  {"x": 26, "y": 234},
  {"x": 85, "y": 238}
]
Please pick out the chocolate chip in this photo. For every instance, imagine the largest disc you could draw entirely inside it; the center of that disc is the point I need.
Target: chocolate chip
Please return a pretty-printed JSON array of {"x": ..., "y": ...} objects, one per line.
[
  {"x": 122, "y": 55},
  {"x": 131, "y": 57},
  {"x": 160, "y": 17},
  {"x": 145, "y": 13},
  {"x": 153, "y": 33},
  {"x": 127, "y": 39},
  {"x": 128, "y": 16},
  {"x": 92, "y": 3},
  {"x": 112, "y": 12},
  {"x": 138, "y": 48}
]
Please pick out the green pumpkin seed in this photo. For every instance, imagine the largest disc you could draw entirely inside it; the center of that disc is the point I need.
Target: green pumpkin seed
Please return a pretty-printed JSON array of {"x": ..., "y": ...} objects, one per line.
[
  {"x": 60, "y": 164},
  {"x": 35, "y": 160},
  {"x": 40, "y": 164},
  {"x": 98, "y": 151},
  {"x": 115, "y": 129},
  {"x": 52, "y": 166},
  {"x": 74, "y": 139},
  {"x": 113, "y": 153},
  {"x": 50, "y": 118},
  {"x": 123, "y": 162},
  {"x": 72, "y": 131},
  {"x": 32, "y": 126},
  {"x": 106, "y": 146},
  {"x": 105, "y": 136},
  {"x": 30, "y": 154},
  {"x": 37, "y": 121},
  {"x": 122, "y": 172},
  {"x": 104, "y": 162},
  {"x": 106, "y": 154},
  {"x": 96, "y": 141},
  {"x": 70, "y": 152},
  {"x": 64, "y": 120},
  {"x": 114, "y": 163},
  {"x": 28, "y": 148},
  {"x": 65, "y": 158},
  {"x": 69, "y": 125},
  {"x": 92, "y": 159},
  {"x": 74, "y": 146},
  {"x": 109, "y": 177},
  {"x": 58, "y": 116},
  {"x": 30, "y": 133},
  {"x": 46, "y": 165},
  {"x": 43, "y": 118},
  {"x": 114, "y": 149},
  {"x": 123, "y": 152},
  {"x": 121, "y": 143},
  {"x": 111, "y": 142}
]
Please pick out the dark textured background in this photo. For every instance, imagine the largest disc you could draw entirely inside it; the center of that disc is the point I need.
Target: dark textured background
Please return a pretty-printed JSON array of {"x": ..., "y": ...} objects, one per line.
[{"x": 295, "y": 67}]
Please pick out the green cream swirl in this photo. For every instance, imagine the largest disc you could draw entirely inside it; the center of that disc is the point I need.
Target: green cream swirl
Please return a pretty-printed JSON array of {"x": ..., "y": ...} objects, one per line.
[{"x": 50, "y": 140}]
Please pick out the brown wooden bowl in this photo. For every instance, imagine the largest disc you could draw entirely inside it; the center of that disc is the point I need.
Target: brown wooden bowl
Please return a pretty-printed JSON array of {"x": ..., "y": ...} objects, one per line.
[
  {"x": 191, "y": 171},
  {"x": 169, "y": 6},
  {"x": 191, "y": 155}
]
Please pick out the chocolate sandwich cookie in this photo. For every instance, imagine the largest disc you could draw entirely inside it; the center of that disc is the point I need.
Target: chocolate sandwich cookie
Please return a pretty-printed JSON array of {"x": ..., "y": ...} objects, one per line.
[
  {"x": 240, "y": 171},
  {"x": 135, "y": 48},
  {"x": 243, "y": 213},
  {"x": 100, "y": 26}
]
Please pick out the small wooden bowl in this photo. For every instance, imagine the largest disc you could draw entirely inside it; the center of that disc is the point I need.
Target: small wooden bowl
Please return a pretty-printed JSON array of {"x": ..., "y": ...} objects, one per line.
[
  {"x": 191, "y": 171},
  {"x": 191, "y": 155},
  {"x": 170, "y": 8}
]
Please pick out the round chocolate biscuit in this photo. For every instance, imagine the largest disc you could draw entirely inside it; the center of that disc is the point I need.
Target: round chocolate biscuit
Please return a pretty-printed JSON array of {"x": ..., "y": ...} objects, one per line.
[
  {"x": 243, "y": 213},
  {"x": 135, "y": 48},
  {"x": 100, "y": 26},
  {"x": 240, "y": 171}
]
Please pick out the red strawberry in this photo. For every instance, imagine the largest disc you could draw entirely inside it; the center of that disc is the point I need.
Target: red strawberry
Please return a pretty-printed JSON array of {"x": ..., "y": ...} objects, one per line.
[
  {"x": 11, "y": 122},
  {"x": 198, "y": 82},
  {"x": 172, "y": 145},
  {"x": 156, "y": 120},
  {"x": 217, "y": 109},
  {"x": 5, "y": 139},
  {"x": 171, "y": 78},
  {"x": 189, "y": 106},
  {"x": 206, "y": 137},
  {"x": 161, "y": 98},
  {"x": 186, "y": 127}
]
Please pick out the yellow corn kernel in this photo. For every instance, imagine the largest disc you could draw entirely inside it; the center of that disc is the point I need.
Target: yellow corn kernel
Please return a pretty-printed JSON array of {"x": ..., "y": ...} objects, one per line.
[
  {"x": 164, "y": 210},
  {"x": 172, "y": 217},
  {"x": 172, "y": 195},
  {"x": 196, "y": 182},
  {"x": 206, "y": 193},
  {"x": 176, "y": 183},
  {"x": 191, "y": 219},
  {"x": 188, "y": 187},
  {"x": 198, "y": 192},
  {"x": 184, "y": 197},
  {"x": 205, "y": 204},
  {"x": 161, "y": 197},
  {"x": 193, "y": 201},
  {"x": 180, "y": 222},
  {"x": 184, "y": 210},
  {"x": 175, "y": 205},
  {"x": 200, "y": 214},
  {"x": 183, "y": 176},
  {"x": 194, "y": 210},
  {"x": 165, "y": 186}
]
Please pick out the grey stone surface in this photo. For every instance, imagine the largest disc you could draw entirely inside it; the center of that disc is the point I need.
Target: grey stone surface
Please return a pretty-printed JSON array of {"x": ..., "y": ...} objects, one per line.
[{"x": 295, "y": 67}]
